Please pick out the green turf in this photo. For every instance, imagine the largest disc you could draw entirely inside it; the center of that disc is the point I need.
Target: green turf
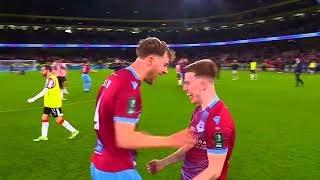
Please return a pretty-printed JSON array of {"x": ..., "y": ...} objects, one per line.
[{"x": 277, "y": 126}]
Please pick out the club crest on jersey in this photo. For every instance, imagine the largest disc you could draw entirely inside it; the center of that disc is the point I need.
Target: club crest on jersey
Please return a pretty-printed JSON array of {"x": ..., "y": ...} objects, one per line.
[
  {"x": 131, "y": 106},
  {"x": 200, "y": 126},
  {"x": 218, "y": 140}
]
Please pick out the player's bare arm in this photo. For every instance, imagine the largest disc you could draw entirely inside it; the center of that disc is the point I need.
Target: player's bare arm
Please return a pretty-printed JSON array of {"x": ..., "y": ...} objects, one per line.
[
  {"x": 214, "y": 169},
  {"x": 156, "y": 165},
  {"x": 127, "y": 137}
]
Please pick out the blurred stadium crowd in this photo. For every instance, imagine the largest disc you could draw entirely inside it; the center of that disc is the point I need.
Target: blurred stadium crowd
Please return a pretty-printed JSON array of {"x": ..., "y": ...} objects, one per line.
[{"x": 272, "y": 56}]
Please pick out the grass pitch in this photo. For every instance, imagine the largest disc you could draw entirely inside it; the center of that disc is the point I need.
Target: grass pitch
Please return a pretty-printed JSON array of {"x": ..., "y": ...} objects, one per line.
[{"x": 277, "y": 126}]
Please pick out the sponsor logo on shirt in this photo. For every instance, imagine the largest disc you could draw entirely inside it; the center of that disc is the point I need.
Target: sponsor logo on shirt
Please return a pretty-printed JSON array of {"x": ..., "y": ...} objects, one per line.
[
  {"x": 201, "y": 144},
  {"x": 217, "y": 119},
  {"x": 134, "y": 84}
]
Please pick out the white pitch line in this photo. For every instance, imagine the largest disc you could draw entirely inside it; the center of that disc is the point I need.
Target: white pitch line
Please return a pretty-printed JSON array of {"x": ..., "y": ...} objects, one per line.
[{"x": 26, "y": 109}]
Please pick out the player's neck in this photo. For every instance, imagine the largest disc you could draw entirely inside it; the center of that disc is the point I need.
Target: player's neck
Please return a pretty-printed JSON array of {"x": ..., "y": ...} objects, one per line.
[
  {"x": 139, "y": 69},
  {"x": 208, "y": 97}
]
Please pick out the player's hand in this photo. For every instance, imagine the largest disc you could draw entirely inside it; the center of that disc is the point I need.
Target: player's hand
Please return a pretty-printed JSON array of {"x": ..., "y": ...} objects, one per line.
[
  {"x": 155, "y": 166},
  {"x": 31, "y": 100},
  {"x": 182, "y": 138}
]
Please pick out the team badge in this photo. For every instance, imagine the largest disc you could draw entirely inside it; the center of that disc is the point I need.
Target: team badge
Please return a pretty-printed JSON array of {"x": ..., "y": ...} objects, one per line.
[
  {"x": 218, "y": 140},
  {"x": 131, "y": 106},
  {"x": 200, "y": 126}
]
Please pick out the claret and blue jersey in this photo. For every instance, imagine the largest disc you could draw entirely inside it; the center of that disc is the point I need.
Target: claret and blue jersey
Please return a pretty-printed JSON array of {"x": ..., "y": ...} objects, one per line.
[
  {"x": 216, "y": 131},
  {"x": 119, "y": 100}
]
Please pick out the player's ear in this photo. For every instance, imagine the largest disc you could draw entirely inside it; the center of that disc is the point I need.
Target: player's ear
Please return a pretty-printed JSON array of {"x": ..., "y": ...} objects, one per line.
[
  {"x": 149, "y": 60},
  {"x": 204, "y": 84}
]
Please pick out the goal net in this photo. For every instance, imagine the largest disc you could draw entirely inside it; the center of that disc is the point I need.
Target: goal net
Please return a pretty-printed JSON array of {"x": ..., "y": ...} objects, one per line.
[{"x": 18, "y": 65}]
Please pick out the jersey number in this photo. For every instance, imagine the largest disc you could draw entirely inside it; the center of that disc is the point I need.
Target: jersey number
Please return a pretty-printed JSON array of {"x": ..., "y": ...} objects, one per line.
[
  {"x": 96, "y": 115},
  {"x": 59, "y": 113}
]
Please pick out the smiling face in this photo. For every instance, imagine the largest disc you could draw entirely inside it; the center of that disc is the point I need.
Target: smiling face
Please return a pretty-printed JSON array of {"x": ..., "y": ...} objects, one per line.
[
  {"x": 156, "y": 56},
  {"x": 156, "y": 65},
  {"x": 199, "y": 77},
  {"x": 193, "y": 86}
]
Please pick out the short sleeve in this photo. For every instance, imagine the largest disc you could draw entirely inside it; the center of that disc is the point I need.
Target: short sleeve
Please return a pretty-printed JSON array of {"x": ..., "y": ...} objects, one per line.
[
  {"x": 218, "y": 135},
  {"x": 50, "y": 83},
  {"x": 128, "y": 103}
]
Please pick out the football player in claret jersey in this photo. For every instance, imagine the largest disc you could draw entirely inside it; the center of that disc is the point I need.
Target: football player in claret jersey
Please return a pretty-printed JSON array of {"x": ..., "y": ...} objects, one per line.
[
  {"x": 86, "y": 77},
  {"x": 211, "y": 120},
  {"x": 118, "y": 110},
  {"x": 52, "y": 104},
  {"x": 183, "y": 65}
]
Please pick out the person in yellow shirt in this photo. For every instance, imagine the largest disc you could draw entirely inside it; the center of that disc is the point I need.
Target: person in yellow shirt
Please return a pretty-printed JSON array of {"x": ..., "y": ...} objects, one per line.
[
  {"x": 253, "y": 70},
  {"x": 312, "y": 67},
  {"x": 52, "y": 104}
]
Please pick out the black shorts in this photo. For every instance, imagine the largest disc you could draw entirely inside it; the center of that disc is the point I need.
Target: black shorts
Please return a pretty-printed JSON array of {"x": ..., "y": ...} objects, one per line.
[
  {"x": 182, "y": 75},
  {"x": 61, "y": 80},
  {"x": 55, "y": 112},
  {"x": 178, "y": 75},
  {"x": 253, "y": 71}
]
